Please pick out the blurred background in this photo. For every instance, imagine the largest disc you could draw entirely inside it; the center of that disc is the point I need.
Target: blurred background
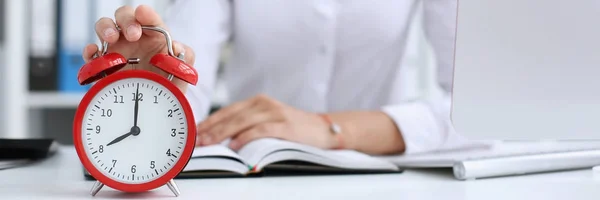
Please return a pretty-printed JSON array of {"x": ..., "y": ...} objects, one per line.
[{"x": 40, "y": 54}]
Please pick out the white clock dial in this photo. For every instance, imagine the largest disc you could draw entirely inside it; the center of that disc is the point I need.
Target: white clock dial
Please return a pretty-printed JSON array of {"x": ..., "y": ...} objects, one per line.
[{"x": 123, "y": 152}]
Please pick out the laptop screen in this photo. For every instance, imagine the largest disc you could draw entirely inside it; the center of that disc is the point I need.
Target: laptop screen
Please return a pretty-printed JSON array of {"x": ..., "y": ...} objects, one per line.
[{"x": 527, "y": 70}]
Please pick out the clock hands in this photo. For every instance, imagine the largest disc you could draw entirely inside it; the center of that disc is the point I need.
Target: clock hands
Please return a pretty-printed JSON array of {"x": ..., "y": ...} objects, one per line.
[
  {"x": 135, "y": 130},
  {"x": 119, "y": 138},
  {"x": 135, "y": 109}
]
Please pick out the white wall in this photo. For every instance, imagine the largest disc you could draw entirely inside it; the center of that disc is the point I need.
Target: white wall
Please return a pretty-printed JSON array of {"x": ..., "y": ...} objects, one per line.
[
  {"x": 14, "y": 71},
  {"x": 2, "y": 73}
]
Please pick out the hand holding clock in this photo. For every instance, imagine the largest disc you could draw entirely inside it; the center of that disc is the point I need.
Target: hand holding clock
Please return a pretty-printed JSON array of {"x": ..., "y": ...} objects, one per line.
[
  {"x": 133, "y": 42},
  {"x": 169, "y": 139}
]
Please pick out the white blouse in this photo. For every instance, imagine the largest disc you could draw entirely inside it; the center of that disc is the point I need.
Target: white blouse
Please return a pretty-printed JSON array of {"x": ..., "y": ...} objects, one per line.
[{"x": 321, "y": 55}]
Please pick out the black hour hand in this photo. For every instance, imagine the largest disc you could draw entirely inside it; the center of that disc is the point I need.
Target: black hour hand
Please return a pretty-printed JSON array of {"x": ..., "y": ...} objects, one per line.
[
  {"x": 134, "y": 131},
  {"x": 118, "y": 139}
]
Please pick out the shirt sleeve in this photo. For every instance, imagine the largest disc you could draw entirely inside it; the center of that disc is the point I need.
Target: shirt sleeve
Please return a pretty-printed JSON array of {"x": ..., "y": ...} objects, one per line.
[
  {"x": 425, "y": 124},
  {"x": 204, "y": 26}
]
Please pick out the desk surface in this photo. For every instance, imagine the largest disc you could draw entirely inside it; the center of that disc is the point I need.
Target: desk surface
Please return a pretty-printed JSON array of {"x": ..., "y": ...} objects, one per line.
[{"x": 60, "y": 178}]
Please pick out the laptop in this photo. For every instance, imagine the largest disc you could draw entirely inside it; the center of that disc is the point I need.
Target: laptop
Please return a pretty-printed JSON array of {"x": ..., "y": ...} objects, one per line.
[
  {"x": 527, "y": 70},
  {"x": 526, "y": 74}
]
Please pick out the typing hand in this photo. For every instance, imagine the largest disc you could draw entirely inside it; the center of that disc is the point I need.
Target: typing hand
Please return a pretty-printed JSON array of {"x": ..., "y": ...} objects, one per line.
[
  {"x": 133, "y": 42},
  {"x": 261, "y": 117}
]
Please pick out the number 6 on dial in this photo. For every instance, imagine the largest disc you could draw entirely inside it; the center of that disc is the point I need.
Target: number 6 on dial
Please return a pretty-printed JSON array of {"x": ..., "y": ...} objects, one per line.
[{"x": 122, "y": 142}]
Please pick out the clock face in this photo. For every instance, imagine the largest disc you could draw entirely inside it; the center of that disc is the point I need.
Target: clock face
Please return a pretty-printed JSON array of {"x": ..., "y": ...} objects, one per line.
[{"x": 130, "y": 147}]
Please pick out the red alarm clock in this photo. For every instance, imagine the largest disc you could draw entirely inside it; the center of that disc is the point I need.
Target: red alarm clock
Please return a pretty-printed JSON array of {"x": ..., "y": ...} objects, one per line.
[{"x": 134, "y": 130}]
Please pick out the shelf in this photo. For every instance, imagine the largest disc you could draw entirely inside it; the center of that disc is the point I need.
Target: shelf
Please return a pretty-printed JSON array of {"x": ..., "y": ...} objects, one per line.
[{"x": 53, "y": 100}]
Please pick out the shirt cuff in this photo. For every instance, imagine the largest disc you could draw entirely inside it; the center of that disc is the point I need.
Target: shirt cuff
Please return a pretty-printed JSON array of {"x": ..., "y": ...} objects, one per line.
[{"x": 420, "y": 128}]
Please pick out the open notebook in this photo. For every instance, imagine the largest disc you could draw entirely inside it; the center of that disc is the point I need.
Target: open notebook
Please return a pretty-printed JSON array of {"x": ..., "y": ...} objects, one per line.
[
  {"x": 269, "y": 156},
  {"x": 273, "y": 156}
]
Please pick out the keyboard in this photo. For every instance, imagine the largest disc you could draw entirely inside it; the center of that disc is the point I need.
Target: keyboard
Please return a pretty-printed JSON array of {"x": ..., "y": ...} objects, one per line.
[{"x": 509, "y": 158}]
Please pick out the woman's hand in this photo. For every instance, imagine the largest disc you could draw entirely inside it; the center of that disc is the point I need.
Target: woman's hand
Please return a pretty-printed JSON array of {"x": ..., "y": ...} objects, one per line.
[
  {"x": 261, "y": 117},
  {"x": 133, "y": 42},
  {"x": 372, "y": 132}
]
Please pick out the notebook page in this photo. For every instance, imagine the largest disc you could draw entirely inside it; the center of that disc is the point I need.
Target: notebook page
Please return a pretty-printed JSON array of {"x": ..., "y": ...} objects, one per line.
[
  {"x": 358, "y": 160},
  {"x": 216, "y": 157},
  {"x": 214, "y": 151},
  {"x": 256, "y": 151}
]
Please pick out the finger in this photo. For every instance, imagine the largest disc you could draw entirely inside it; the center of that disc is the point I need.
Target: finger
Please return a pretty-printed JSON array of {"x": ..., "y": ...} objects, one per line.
[
  {"x": 107, "y": 30},
  {"x": 231, "y": 127},
  {"x": 126, "y": 20},
  {"x": 147, "y": 16},
  {"x": 265, "y": 130},
  {"x": 89, "y": 51},
  {"x": 189, "y": 56},
  {"x": 209, "y": 130},
  {"x": 222, "y": 114}
]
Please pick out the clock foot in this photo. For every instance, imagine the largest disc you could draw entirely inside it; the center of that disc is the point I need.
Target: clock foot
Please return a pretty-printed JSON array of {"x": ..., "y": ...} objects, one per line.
[
  {"x": 171, "y": 184},
  {"x": 97, "y": 186}
]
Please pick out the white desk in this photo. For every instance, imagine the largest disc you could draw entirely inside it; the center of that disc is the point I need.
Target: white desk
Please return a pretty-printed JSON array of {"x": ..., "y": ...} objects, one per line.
[{"x": 60, "y": 178}]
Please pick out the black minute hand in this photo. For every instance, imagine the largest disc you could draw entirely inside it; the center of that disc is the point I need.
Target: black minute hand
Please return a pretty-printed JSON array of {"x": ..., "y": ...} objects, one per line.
[{"x": 135, "y": 109}]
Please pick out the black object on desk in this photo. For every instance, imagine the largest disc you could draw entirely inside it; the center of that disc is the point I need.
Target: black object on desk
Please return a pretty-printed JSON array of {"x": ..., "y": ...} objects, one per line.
[{"x": 16, "y": 152}]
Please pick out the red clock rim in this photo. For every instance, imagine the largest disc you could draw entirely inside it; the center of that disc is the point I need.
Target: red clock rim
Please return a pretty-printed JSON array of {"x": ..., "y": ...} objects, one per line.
[{"x": 126, "y": 187}]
